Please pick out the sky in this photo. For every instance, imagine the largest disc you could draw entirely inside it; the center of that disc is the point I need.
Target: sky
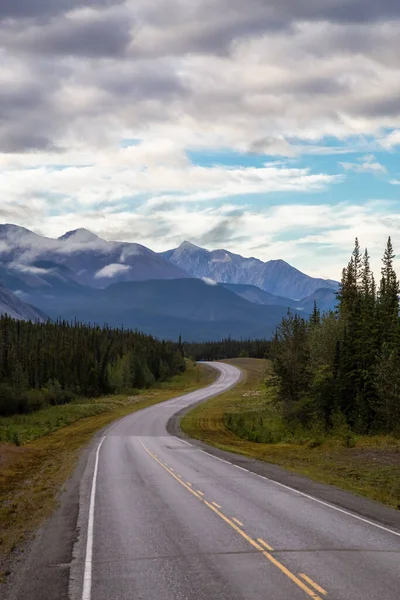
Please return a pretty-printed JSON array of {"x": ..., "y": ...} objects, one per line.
[{"x": 270, "y": 128}]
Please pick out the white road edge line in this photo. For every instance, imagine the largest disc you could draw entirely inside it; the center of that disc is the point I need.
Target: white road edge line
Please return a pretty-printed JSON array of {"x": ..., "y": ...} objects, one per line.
[
  {"x": 217, "y": 457},
  {"x": 242, "y": 468},
  {"x": 341, "y": 510},
  {"x": 184, "y": 441},
  {"x": 87, "y": 575}
]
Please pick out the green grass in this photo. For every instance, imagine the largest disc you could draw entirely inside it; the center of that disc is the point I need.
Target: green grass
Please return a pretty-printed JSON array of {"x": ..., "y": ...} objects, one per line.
[
  {"x": 22, "y": 428},
  {"x": 370, "y": 467},
  {"x": 32, "y": 474}
]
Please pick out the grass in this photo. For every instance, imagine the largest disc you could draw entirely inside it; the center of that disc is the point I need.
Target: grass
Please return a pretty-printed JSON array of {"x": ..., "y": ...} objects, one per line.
[
  {"x": 370, "y": 467},
  {"x": 32, "y": 474}
]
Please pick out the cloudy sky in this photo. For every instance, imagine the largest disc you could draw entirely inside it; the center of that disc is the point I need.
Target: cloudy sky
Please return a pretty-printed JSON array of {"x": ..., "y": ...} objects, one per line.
[{"x": 268, "y": 127}]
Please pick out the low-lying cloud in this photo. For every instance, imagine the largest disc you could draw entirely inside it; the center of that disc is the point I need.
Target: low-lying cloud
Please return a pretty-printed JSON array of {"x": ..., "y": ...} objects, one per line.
[{"x": 111, "y": 270}]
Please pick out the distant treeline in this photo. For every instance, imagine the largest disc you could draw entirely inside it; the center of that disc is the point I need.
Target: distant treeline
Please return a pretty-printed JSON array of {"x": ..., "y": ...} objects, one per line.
[
  {"x": 342, "y": 368},
  {"x": 51, "y": 363},
  {"x": 227, "y": 348}
]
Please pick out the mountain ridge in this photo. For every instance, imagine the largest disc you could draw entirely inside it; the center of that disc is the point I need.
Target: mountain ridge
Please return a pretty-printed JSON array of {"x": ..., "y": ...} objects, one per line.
[
  {"x": 274, "y": 276},
  {"x": 80, "y": 275}
]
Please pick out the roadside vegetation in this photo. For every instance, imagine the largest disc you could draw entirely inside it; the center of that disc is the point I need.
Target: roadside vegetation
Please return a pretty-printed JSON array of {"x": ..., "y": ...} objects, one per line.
[
  {"x": 342, "y": 369},
  {"x": 327, "y": 404},
  {"x": 50, "y": 441},
  {"x": 249, "y": 420}
]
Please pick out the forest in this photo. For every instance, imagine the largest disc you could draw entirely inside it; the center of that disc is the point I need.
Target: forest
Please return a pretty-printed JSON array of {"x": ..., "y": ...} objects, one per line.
[
  {"x": 44, "y": 364},
  {"x": 342, "y": 368},
  {"x": 227, "y": 348}
]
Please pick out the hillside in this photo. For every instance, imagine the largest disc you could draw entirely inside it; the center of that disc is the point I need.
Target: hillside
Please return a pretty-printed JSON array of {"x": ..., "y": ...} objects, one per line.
[
  {"x": 169, "y": 308},
  {"x": 12, "y": 306}
]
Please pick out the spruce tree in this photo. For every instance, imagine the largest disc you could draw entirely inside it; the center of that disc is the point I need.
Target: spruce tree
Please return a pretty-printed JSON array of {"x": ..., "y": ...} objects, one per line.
[{"x": 388, "y": 305}]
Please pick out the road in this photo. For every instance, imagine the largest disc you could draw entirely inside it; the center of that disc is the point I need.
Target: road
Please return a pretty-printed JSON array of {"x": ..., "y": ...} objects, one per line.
[{"x": 162, "y": 519}]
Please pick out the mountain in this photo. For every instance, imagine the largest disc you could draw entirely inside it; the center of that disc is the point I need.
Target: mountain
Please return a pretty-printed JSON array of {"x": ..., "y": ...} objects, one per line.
[
  {"x": 11, "y": 305},
  {"x": 169, "y": 308},
  {"x": 258, "y": 296},
  {"x": 82, "y": 276},
  {"x": 275, "y": 276},
  {"x": 324, "y": 297},
  {"x": 28, "y": 260}
]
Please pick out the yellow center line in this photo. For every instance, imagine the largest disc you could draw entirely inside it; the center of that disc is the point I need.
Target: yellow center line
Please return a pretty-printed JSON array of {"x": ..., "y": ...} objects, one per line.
[
  {"x": 250, "y": 540},
  {"x": 188, "y": 483},
  {"x": 313, "y": 584},
  {"x": 237, "y": 521},
  {"x": 264, "y": 544},
  {"x": 215, "y": 504}
]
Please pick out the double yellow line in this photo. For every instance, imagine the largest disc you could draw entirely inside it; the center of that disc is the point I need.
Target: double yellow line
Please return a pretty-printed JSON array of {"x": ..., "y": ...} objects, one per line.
[{"x": 244, "y": 535}]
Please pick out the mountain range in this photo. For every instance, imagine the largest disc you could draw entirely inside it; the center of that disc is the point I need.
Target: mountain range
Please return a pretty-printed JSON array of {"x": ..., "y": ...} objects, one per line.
[
  {"x": 275, "y": 276},
  {"x": 191, "y": 291}
]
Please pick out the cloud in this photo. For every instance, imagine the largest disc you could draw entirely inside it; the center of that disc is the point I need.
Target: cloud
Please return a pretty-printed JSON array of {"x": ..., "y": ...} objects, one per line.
[
  {"x": 112, "y": 270},
  {"x": 395, "y": 181},
  {"x": 87, "y": 33},
  {"x": 17, "y": 9},
  {"x": 167, "y": 71},
  {"x": 209, "y": 281},
  {"x": 366, "y": 164},
  {"x": 29, "y": 269},
  {"x": 161, "y": 173},
  {"x": 81, "y": 80},
  {"x": 392, "y": 140}
]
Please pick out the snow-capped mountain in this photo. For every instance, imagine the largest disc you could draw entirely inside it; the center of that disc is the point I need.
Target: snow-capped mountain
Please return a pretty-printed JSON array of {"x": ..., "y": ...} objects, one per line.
[
  {"x": 83, "y": 276},
  {"x": 275, "y": 276},
  {"x": 28, "y": 260}
]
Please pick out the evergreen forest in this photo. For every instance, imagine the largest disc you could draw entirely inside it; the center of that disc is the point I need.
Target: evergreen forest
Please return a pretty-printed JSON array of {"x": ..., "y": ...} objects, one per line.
[
  {"x": 227, "y": 348},
  {"x": 49, "y": 363},
  {"x": 342, "y": 368}
]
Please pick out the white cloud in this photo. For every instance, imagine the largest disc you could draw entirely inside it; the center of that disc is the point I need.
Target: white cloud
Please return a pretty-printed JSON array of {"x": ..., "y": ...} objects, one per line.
[
  {"x": 115, "y": 176},
  {"x": 366, "y": 164},
  {"x": 395, "y": 181},
  {"x": 392, "y": 140},
  {"x": 112, "y": 270},
  {"x": 209, "y": 281},
  {"x": 29, "y": 269},
  {"x": 276, "y": 78}
]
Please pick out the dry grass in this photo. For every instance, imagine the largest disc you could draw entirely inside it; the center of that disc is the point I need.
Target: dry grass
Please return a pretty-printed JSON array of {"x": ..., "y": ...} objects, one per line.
[
  {"x": 32, "y": 475},
  {"x": 371, "y": 468}
]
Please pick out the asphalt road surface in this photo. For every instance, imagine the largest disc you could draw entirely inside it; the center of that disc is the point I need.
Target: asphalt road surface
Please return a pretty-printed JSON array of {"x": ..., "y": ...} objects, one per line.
[{"x": 160, "y": 519}]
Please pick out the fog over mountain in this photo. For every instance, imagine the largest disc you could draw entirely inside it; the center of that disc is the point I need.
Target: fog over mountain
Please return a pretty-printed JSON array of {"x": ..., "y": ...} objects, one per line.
[{"x": 79, "y": 256}]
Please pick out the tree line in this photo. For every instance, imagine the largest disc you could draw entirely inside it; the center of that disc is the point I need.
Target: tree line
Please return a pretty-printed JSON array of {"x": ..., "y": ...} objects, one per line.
[
  {"x": 343, "y": 366},
  {"x": 51, "y": 363},
  {"x": 227, "y": 348}
]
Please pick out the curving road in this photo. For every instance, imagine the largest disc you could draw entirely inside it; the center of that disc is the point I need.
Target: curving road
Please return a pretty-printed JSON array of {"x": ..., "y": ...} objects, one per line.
[{"x": 160, "y": 519}]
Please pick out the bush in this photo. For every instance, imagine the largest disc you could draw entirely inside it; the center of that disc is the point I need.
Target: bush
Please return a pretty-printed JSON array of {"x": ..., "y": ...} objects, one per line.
[
  {"x": 35, "y": 400},
  {"x": 11, "y": 400}
]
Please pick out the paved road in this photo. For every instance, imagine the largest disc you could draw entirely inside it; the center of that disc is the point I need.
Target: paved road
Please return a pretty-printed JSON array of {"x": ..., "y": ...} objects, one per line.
[{"x": 162, "y": 520}]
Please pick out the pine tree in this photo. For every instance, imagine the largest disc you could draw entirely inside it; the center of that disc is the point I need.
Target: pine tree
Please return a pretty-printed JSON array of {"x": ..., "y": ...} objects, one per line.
[{"x": 388, "y": 307}]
